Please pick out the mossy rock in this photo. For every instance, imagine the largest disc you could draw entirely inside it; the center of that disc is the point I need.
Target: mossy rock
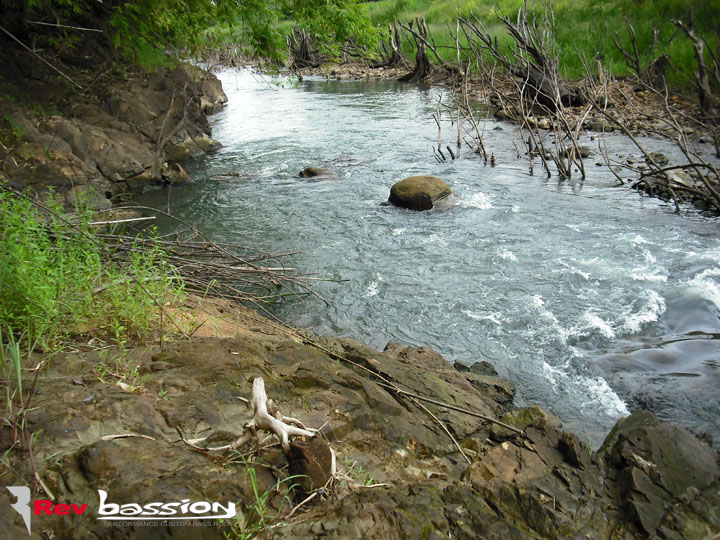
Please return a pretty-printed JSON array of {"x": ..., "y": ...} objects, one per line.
[{"x": 419, "y": 192}]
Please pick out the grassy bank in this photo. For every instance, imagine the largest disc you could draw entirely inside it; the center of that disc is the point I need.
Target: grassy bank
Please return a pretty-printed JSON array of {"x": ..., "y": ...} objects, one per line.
[
  {"x": 588, "y": 27},
  {"x": 58, "y": 279}
]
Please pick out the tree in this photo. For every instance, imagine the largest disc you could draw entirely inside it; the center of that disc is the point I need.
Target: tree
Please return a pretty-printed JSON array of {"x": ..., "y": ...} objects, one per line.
[{"x": 161, "y": 25}]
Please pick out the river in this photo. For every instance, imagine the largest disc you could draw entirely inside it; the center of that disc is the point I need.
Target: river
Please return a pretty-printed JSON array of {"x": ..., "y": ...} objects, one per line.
[{"x": 596, "y": 301}]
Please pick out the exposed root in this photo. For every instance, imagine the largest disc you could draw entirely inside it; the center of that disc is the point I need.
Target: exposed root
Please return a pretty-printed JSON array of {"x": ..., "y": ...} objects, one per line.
[{"x": 267, "y": 416}]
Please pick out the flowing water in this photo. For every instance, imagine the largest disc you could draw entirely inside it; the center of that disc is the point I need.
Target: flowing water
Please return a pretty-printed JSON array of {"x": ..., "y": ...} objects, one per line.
[{"x": 594, "y": 300}]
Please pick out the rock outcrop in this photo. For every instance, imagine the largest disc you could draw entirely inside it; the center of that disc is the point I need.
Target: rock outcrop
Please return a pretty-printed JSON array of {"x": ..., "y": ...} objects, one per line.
[
  {"x": 649, "y": 478},
  {"x": 419, "y": 192},
  {"x": 129, "y": 136}
]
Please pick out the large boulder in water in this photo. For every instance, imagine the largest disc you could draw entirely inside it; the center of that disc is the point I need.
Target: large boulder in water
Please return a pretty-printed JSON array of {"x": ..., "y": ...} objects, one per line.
[
  {"x": 656, "y": 467},
  {"x": 419, "y": 192}
]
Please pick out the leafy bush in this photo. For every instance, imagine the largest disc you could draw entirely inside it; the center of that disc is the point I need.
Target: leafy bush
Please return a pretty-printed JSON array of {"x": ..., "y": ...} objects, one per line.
[{"x": 59, "y": 280}]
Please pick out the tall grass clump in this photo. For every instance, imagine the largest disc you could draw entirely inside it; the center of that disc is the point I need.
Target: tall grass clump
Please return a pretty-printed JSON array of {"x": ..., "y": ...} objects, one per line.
[{"x": 58, "y": 280}]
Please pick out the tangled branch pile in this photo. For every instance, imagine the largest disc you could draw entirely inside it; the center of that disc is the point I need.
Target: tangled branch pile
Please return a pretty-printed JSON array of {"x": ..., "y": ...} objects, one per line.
[
  {"x": 219, "y": 269},
  {"x": 61, "y": 278},
  {"x": 523, "y": 82}
]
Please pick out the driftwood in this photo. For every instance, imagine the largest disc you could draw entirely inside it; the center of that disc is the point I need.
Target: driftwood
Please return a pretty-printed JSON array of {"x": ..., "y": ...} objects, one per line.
[
  {"x": 267, "y": 416},
  {"x": 312, "y": 463}
]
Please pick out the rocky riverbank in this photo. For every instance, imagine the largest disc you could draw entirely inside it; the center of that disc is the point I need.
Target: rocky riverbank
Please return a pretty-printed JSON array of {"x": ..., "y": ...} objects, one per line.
[
  {"x": 109, "y": 138},
  {"x": 111, "y": 419}
]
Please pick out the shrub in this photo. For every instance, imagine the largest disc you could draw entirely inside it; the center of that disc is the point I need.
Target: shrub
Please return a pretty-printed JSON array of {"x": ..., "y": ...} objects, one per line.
[{"x": 59, "y": 280}]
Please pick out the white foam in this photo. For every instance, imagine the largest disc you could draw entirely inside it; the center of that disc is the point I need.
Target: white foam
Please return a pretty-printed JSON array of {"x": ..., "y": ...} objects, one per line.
[
  {"x": 650, "y": 311},
  {"x": 657, "y": 275},
  {"x": 398, "y": 231},
  {"x": 705, "y": 285},
  {"x": 435, "y": 238},
  {"x": 597, "y": 395},
  {"x": 506, "y": 254},
  {"x": 651, "y": 272},
  {"x": 477, "y": 200},
  {"x": 595, "y": 321},
  {"x": 602, "y": 397},
  {"x": 372, "y": 289},
  {"x": 492, "y": 317}
]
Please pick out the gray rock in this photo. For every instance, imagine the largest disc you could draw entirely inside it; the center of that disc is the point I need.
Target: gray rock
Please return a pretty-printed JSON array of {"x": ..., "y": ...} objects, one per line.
[
  {"x": 655, "y": 465},
  {"x": 173, "y": 173}
]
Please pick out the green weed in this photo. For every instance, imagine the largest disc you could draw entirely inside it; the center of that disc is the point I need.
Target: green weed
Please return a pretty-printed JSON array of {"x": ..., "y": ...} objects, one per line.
[
  {"x": 10, "y": 132},
  {"x": 18, "y": 395},
  {"x": 58, "y": 280},
  {"x": 259, "y": 517}
]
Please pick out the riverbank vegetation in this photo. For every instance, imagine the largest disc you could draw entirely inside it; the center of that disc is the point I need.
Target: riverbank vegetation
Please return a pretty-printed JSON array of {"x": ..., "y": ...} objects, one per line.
[
  {"x": 584, "y": 31},
  {"x": 60, "y": 279}
]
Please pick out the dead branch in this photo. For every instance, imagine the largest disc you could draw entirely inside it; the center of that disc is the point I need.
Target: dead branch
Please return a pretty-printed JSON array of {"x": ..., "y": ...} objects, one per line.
[
  {"x": 303, "y": 53},
  {"x": 422, "y": 68},
  {"x": 708, "y": 100},
  {"x": 422, "y": 39},
  {"x": 632, "y": 58}
]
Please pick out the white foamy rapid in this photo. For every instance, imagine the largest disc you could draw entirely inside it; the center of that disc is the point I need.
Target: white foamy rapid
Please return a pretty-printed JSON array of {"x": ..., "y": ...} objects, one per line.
[{"x": 476, "y": 200}]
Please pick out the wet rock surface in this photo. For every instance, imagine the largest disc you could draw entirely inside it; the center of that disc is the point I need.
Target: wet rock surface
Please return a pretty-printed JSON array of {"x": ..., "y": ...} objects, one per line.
[
  {"x": 125, "y": 136},
  {"x": 648, "y": 478},
  {"x": 419, "y": 192},
  {"x": 318, "y": 173}
]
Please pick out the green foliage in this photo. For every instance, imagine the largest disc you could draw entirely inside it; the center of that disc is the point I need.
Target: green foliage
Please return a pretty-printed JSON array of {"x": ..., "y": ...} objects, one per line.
[
  {"x": 10, "y": 132},
  {"x": 17, "y": 396},
  {"x": 333, "y": 23},
  {"x": 146, "y": 30},
  {"x": 57, "y": 281},
  {"x": 586, "y": 26}
]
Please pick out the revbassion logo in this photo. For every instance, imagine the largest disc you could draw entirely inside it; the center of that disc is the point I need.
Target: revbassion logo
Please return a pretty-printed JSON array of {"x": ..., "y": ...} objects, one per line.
[
  {"x": 40, "y": 507},
  {"x": 160, "y": 511},
  {"x": 184, "y": 509}
]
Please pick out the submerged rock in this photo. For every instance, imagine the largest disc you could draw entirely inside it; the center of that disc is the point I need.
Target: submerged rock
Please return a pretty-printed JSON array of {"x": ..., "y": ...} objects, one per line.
[
  {"x": 319, "y": 173},
  {"x": 419, "y": 192}
]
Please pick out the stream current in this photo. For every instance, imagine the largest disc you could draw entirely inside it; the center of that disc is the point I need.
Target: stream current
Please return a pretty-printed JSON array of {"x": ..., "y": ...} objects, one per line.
[{"x": 594, "y": 300}]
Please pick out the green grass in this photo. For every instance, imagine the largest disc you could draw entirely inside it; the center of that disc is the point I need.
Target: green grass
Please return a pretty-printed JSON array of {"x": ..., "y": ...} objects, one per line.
[
  {"x": 587, "y": 26},
  {"x": 59, "y": 281}
]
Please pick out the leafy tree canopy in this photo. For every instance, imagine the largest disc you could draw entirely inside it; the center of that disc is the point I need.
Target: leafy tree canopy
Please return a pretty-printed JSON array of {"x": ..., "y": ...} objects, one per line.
[{"x": 139, "y": 25}]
